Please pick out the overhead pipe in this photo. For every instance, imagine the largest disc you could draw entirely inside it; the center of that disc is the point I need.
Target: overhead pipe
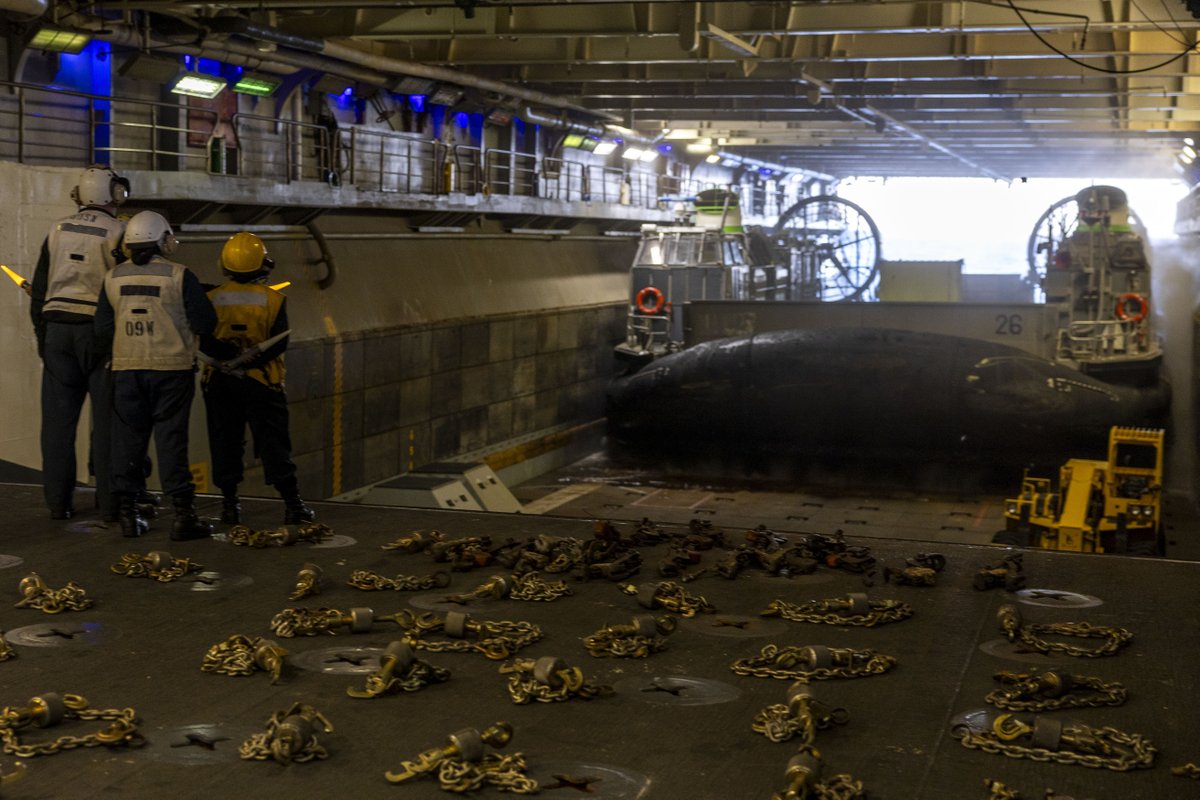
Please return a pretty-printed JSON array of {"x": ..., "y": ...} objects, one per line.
[
  {"x": 446, "y": 75},
  {"x": 28, "y": 8},
  {"x": 824, "y": 90},
  {"x": 755, "y": 163},
  {"x": 562, "y": 122},
  {"x": 324, "y": 56},
  {"x": 230, "y": 52},
  {"x": 263, "y": 33}
]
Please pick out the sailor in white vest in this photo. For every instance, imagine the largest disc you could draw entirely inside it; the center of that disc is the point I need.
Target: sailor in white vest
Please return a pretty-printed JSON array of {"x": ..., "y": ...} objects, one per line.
[
  {"x": 79, "y": 251},
  {"x": 153, "y": 309}
]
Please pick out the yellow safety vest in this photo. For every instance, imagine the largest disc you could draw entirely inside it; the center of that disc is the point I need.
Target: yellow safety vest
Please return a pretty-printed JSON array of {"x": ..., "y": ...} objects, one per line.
[{"x": 245, "y": 314}]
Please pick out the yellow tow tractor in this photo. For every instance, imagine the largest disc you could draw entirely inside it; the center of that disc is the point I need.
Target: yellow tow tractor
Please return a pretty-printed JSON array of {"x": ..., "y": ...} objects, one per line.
[{"x": 1111, "y": 506}]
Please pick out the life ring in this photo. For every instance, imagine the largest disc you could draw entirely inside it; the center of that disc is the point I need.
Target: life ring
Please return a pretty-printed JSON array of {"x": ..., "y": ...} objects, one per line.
[
  {"x": 1132, "y": 297},
  {"x": 656, "y": 300}
]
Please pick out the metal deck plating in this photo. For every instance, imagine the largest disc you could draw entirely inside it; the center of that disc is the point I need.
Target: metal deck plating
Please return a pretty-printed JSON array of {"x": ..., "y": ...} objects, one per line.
[{"x": 897, "y": 741}]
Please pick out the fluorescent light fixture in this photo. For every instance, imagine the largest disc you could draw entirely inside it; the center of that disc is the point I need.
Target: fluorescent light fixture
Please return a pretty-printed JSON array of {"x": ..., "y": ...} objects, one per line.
[
  {"x": 56, "y": 40},
  {"x": 604, "y": 148},
  {"x": 681, "y": 133},
  {"x": 446, "y": 96},
  {"x": 633, "y": 153},
  {"x": 713, "y": 159},
  {"x": 698, "y": 147},
  {"x": 257, "y": 85},
  {"x": 580, "y": 142},
  {"x": 1189, "y": 141},
  {"x": 649, "y": 155},
  {"x": 1188, "y": 151},
  {"x": 1185, "y": 158},
  {"x": 195, "y": 84}
]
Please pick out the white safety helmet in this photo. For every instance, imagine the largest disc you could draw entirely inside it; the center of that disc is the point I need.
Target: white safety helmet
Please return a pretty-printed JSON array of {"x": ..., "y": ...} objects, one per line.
[
  {"x": 100, "y": 186},
  {"x": 149, "y": 228}
]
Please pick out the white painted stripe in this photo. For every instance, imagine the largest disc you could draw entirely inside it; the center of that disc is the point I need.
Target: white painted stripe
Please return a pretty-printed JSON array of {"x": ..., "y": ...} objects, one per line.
[{"x": 559, "y": 498}]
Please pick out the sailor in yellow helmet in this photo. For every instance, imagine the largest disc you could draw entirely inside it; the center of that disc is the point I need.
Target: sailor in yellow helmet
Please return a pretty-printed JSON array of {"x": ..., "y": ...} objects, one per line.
[{"x": 249, "y": 313}]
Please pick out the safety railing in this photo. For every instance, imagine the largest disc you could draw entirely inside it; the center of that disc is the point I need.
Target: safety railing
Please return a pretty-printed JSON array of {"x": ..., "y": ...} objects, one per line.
[
  {"x": 1097, "y": 340},
  {"x": 46, "y": 125},
  {"x": 287, "y": 150},
  {"x": 512, "y": 173},
  {"x": 40, "y": 125},
  {"x": 385, "y": 161}
]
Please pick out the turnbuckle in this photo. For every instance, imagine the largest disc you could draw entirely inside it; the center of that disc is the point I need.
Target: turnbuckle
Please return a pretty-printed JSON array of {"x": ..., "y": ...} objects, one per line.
[
  {"x": 310, "y": 580},
  {"x": 399, "y": 670},
  {"x": 465, "y": 745},
  {"x": 291, "y": 735}
]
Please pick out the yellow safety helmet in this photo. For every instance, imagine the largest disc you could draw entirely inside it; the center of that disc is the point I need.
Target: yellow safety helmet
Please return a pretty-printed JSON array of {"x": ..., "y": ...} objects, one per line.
[{"x": 244, "y": 252}]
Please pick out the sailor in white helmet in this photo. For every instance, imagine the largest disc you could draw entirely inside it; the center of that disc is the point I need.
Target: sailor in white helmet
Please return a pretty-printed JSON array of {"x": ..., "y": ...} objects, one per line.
[
  {"x": 152, "y": 310},
  {"x": 79, "y": 251}
]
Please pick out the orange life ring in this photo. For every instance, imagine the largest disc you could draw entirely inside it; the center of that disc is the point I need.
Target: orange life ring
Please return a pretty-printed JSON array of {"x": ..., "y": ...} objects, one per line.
[
  {"x": 656, "y": 297},
  {"x": 1132, "y": 297}
]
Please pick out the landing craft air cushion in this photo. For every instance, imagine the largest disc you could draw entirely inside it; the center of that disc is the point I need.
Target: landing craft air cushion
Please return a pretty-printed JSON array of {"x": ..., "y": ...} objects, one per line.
[{"x": 912, "y": 389}]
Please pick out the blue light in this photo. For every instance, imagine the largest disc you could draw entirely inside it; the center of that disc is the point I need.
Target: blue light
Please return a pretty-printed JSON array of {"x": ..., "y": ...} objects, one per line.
[
  {"x": 417, "y": 102},
  {"x": 519, "y": 124},
  {"x": 764, "y": 171},
  {"x": 664, "y": 148},
  {"x": 349, "y": 90},
  {"x": 187, "y": 61},
  {"x": 460, "y": 119},
  {"x": 208, "y": 66}
]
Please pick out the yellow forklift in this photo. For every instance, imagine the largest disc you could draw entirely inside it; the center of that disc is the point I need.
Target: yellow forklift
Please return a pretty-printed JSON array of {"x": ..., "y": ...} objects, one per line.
[{"x": 1112, "y": 506}]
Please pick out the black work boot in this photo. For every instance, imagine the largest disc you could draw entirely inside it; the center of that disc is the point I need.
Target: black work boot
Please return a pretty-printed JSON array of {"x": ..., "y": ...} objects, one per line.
[
  {"x": 147, "y": 503},
  {"x": 132, "y": 522},
  {"x": 188, "y": 524},
  {"x": 294, "y": 510},
  {"x": 231, "y": 509}
]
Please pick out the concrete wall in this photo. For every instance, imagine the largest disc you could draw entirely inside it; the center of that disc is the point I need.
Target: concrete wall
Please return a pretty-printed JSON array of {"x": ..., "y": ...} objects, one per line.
[{"x": 420, "y": 350}]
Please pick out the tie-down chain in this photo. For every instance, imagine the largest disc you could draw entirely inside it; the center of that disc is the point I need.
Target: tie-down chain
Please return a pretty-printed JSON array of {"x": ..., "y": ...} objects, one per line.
[
  {"x": 671, "y": 596},
  {"x": 497, "y": 639},
  {"x": 36, "y": 594},
  {"x": 813, "y": 663},
  {"x": 645, "y": 635},
  {"x": 400, "y": 671},
  {"x": 50, "y": 709},
  {"x": 157, "y": 564},
  {"x": 291, "y": 735},
  {"x": 802, "y": 716},
  {"x": 1030, "y": 634},
  {"x": 242, "y": 655},
  {"x": 854, "y": 609},
  {"x": 529, "y": 586},
  {"x": 1043, "y": 738},
  {"x": 309, "y": 532},
  {"x": 804, "y": 782},
  {"x": 548, "y": 680},
  {"x": 463, "y": 764},
  {"x": 1053, "y": 690},
  {"x": 370, "y": 581}
]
